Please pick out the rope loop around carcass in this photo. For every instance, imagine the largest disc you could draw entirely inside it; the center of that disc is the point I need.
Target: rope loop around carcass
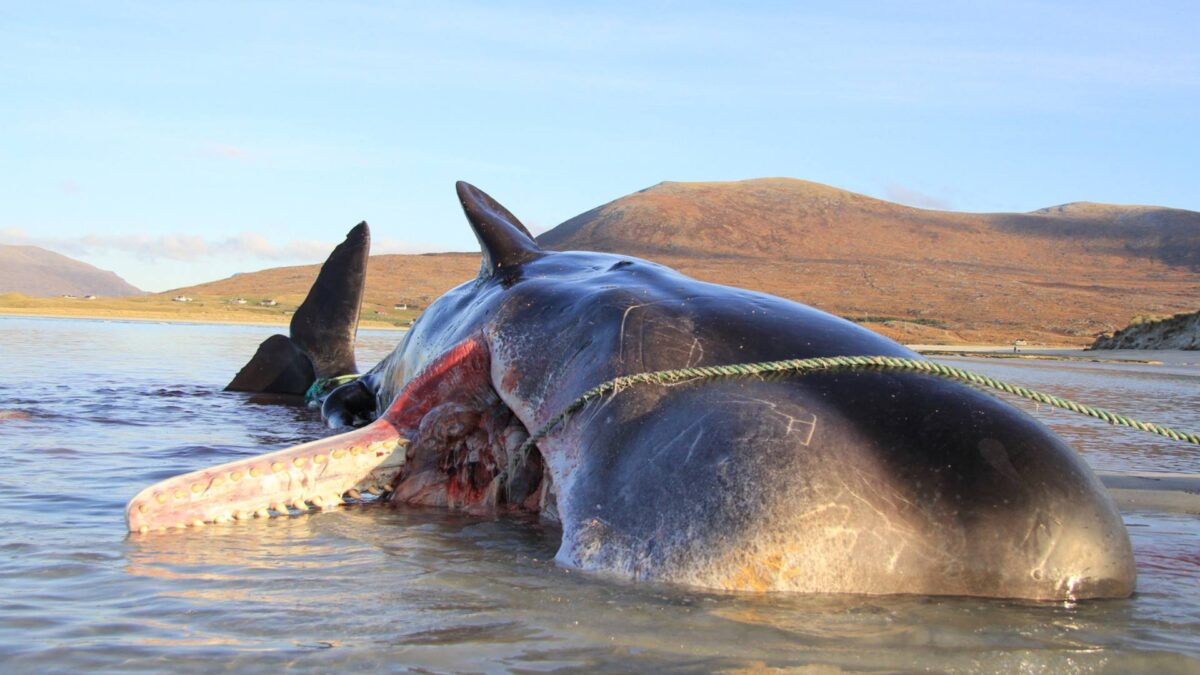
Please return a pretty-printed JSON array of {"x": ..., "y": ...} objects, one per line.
[
  {"x": 324, "y": 385},
  {"x": 828, "y": 363}
]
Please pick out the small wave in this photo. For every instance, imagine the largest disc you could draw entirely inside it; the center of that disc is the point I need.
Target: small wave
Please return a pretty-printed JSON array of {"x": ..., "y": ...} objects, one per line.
[
  {"x": 181, "y": 391},
  {"x": 60, "y": 451},
  {"x": 189, "y": 451},
  {"x": 1170, "y": 563}
]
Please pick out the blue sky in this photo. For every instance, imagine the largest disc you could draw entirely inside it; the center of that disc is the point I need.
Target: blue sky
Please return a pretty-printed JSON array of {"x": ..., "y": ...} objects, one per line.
[{"x": 182, "y": 142}]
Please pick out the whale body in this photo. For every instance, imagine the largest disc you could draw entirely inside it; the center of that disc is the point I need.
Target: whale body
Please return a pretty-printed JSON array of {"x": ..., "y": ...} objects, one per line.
[{"x": 849, "y": 481}]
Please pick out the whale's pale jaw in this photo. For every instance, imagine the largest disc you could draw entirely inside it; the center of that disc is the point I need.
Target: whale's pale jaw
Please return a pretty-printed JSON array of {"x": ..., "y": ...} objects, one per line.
[{"x": 320, "y": 474}]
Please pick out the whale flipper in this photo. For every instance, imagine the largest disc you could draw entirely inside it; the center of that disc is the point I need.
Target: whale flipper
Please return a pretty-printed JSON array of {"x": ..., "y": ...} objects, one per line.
[{"x": 322, "y": 330}]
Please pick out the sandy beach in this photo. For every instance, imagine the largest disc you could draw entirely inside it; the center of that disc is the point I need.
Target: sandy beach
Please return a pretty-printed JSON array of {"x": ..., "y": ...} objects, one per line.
[{"x": 1051, "y": 352}]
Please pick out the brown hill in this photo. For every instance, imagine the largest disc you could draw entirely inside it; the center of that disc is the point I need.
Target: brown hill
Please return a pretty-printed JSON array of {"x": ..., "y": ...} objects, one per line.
[
  {"x": 413, "y": 280},
  {"x": 36, "y": 272},
  {"x": 1059, "y": 275},
  {"x": 793, "y": 219}
]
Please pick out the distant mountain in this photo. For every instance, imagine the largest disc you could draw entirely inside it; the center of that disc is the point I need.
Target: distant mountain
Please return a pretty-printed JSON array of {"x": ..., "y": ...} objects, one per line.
[
  {"x": 785, "y": 218},
  {"x": 1062, "y": 274},
  {"x": 37, "y": 272}
]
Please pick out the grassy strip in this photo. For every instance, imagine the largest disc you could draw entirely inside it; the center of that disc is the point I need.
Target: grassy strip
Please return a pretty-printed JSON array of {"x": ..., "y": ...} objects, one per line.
[
  {"x": 201, "y": 309},
  {"x": 886, "y": 319}
]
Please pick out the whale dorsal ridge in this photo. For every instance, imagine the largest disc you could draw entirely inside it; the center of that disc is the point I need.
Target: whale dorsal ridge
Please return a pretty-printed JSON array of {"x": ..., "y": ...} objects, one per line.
[{"x": 503, "y": 240}]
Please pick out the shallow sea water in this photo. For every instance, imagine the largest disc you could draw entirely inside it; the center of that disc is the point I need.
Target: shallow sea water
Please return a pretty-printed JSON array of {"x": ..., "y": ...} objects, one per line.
[{"x": 91, "y": 412}]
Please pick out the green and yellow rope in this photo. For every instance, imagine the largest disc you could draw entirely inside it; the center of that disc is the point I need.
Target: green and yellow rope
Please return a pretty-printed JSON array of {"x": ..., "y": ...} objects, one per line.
[
  {"x": 322, "y": 385},
  {"x": 828, "y": 363}
]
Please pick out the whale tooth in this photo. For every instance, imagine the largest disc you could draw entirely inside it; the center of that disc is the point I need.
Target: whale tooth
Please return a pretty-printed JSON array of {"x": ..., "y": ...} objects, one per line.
[
  {"x": 300, "y": 462},
  {"x": 338, "y": 454},
  {"x": 373, "y": 490},
  {"x": 255, "y": 472},
  {"x": 353, "y": 494},
  {"x": 197, "y": 523},
  {"x": 242, "y": 515},
  {"x": 318, "y": 501},
  {"x": 142, "y": 508},
  {"x": 319, "y": 459},
  {"x": 262, "y": 513},
  {"x": 281, "y": 509},
  {"x": 144, "y": 529},
  {"x": 161, "y": 498},
  {"x": 276, "y": 467},
  {"x": 235, "y": 476}
]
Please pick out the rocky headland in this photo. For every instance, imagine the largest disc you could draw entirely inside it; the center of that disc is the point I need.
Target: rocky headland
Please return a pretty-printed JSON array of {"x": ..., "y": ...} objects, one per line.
[{"x": 1181, "y": 331}]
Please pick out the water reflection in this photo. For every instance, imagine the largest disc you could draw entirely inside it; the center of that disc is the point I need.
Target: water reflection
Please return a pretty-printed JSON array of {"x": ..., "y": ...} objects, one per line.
[
  {"x": 489, "y": 587},
  {"x": 383, "y": 588}
]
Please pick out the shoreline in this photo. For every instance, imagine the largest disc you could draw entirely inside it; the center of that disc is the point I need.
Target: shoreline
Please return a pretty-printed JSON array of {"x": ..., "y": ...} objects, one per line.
[
  {"x": 143, "y": 318},
  {"x": 986, "y": 349},
  {"x": 967, "y": 350}
]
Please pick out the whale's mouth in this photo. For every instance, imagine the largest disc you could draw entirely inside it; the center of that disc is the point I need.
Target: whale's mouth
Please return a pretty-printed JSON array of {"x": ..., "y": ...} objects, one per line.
[{"x": 447, "y": 440}]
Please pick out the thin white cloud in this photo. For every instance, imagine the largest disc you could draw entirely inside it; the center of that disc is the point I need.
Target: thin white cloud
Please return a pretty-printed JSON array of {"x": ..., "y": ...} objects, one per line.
[
  {"x": 226, "y": 151},
  {"x": 195, "y": 248},
  {"x": 906, "y": 195},
  {"x": 535, "y": 228}
]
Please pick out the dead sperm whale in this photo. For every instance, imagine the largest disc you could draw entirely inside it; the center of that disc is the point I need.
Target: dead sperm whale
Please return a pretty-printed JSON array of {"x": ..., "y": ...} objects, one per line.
[{"x": 850, "y": 481}]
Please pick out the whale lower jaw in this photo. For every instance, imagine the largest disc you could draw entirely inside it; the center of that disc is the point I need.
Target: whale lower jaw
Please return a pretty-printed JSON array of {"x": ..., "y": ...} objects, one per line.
[
  {"x": 447, "y": 440},
  {"x": 316, "y": 475}
]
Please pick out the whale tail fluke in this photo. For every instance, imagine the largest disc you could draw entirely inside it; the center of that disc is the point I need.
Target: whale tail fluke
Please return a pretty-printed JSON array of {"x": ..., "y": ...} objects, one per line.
[
  {"x": 322, "y": 330},
  {"x": 278, "y": 367}
]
